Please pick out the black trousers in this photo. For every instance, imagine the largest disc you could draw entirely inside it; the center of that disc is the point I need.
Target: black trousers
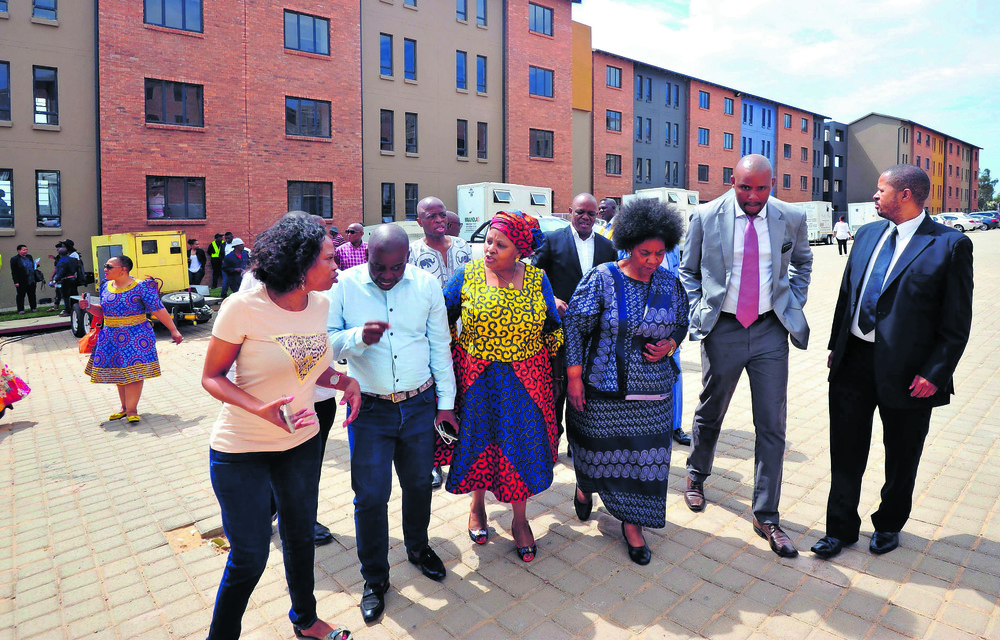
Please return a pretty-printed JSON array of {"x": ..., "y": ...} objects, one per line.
[
  {"x": 216, "y": 271},
  {"x": 841, "y": 246},
  {"x": 853, "y": 400},
  {"x": 194, "y": 277},
  {"x": 68, "y": 291},
  {"x": 26, "y": 290}
]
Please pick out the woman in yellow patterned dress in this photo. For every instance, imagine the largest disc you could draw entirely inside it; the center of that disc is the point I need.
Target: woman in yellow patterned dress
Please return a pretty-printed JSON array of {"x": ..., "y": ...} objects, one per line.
[{"x": 510, "y": 329}]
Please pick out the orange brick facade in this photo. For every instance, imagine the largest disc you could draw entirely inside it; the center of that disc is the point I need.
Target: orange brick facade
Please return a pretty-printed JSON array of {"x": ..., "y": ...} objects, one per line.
[
  {"x": 712, "y": 155},
  {"x": 607, "y": 142},
  {"x": 525, "y": 49},
  {"x": 795, "y": 167},
  {"x": 242, "y": 151}
]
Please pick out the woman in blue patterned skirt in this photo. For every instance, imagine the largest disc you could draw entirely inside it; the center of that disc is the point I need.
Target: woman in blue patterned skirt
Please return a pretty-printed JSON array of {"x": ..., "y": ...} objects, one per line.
[
  {"x": 125, "y": 354},
  {"x": 623, "y": 323}
]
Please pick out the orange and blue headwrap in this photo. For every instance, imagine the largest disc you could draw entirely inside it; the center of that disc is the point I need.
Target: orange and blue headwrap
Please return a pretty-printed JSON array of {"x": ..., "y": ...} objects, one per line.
[{"x": 522, "y": 229}]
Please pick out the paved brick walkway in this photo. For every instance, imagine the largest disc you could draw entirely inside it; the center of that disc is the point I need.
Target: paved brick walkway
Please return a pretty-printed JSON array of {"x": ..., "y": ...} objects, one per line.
[{"x": 84, "y": 507}]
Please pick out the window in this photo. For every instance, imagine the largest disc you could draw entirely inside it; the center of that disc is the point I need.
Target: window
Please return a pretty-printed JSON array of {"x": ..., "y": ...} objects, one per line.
[
  {"x": 815, "y": 158},
  {"x": 460, "y": 57},
  {"x": 702, "y": 173},
  {"x": 638, "y": 169},
  {"x": 388, "y": 201},
  {"x": 4, "y": 91},
  {"x": 462, "y": 141},
  {"x": 805, "y": 125},
  {"x": 481, "y": 13},
  {"x": 638, "y": 129},
  {"x": 919, "y": 140},
  {"x": 412, "y": 145},
  {"x": 788, "y": 121},
  {"x": 539, "y": 19},
  {"x": 387, "y": 141},
  {"x": 43, "y": 9},
  {"x": 765, "y": 148},
  {"x": 728, "y": 106},
  {"x": 727, "y": 175},
  {"x": 174, "y": 103},
  {"x": 702, "y": 136},
  {"x": 385, "y": 54},
  {"x": 803, "y": 183},
  {"x": 727, "y": 141},
  {"x": 614, "y": 77},
  {"x": 666, "y": 172},
  {"x": 838, "y": 135},
  {"x": 410, "y": 3},
  {"x": 482, "y": 149},
  {"x": 950, "y": 145},
  {"x": 838, "y": 161},
  {"x": 788, "y": 151},
  {"x": 638, "y": 87},
  {"x": 927, "y": 164},
  {"x": 540, "y": 143},
  {"x": 649, "y": 89},
  {"x": 481, "y": 74},
  {"x": 614, "y": 120},
  {"x": 6, "y": 198},
  {"x": 677, "y": 138},
  {"x": 649, "y": 129},
  {"x": 703, "y": 99},
  {"x": 305, "y": 117},
  {"x": 175, "y": 14},
  {"x": 540, "y": 82},
  {"x": 170, "y": 197},
  {"x": 410, "y": 199},
  {"x": 409, "y": 59},
  {"x": 666, "y": 133},
  {"x": 461, "y": 10},
  {"x": 307, "y": 33},
  {"x": 667, "y": 94},
  {"x": 46, "y": 95},
  {"x": 675, "y": 173},
  {"x": 804, "y": 155},
  {"x": 786, "y": 181},
  {"x": 677, "y": 101},
  {"x": 312, "y": 197}
]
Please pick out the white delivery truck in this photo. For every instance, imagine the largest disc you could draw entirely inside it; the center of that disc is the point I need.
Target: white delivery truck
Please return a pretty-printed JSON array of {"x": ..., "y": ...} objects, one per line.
[
  {"x": 480, "y": 201},
  {"x": 860, "y": 213},
  {"x": 819, "y": 221},
  {"x": 683, "y": 199}
]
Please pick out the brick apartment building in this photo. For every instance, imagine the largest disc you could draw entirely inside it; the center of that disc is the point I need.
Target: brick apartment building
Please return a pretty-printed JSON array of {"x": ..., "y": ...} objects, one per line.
[
  {"x": 835, "y": 166},
  {"x": 794, "y": 163},
  {"x": 661, "y": 106},
  {"x": 713, "y": 127},
  {"x": 220, "y": 116},
  {"x": 613, "y": 127}
]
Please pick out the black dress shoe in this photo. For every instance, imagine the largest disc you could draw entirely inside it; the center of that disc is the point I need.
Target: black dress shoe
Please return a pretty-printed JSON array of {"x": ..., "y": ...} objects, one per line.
[
  {"x": 884, "y": 542},
  {"x": 583, "y": 509},
  {"x": 373, "y": 600},
  {"x": 639, "y": 555},
  {"x": 321, "y": 535},
  {"x": 437, "y": 478},
  {"x": 429, "y": 562},
  {"x": 682, "y": 438},
  {"x": 828, "y": 546}
]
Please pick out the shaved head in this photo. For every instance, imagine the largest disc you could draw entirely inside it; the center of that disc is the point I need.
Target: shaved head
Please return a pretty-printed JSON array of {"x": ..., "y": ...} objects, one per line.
[
  {"x": 454, "y": 224},
  {"x": 388, "y": 237},
  {"x": 752, "y": 181},
  {"x": 754, "y": 163},
  {"x": 388, "y": 250},
  {"x": 432, "y": 218}
]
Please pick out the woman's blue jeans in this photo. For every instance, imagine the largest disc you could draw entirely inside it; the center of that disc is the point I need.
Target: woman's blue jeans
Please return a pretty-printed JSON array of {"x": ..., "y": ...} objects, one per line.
[{"x": 243, "y": 484}]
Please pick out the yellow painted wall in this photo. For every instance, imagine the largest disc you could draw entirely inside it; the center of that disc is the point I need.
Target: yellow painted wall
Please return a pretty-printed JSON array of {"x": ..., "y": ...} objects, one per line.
[
  {"x": 937, "y": 177},
  {"x": 583, "y": 68}
]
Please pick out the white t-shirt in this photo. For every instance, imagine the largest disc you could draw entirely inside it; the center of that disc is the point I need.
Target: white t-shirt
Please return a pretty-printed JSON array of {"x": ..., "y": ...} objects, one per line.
[
  {"x": 842, "y": 230},
  {"x": 282, "y": 353}
]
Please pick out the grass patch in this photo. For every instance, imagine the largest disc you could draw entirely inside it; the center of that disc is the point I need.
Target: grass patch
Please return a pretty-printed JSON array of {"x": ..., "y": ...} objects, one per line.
[{"x": 43, "y": 312}]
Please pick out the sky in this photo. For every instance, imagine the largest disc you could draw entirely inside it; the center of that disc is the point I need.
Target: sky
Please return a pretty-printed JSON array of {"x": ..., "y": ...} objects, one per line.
[{"x": 935, "y": 62}]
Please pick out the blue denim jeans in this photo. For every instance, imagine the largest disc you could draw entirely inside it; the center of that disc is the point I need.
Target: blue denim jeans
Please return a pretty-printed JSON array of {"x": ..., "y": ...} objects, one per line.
[
  {"x": 385, "y": 433},
  {"x": 243, "y": 484}
]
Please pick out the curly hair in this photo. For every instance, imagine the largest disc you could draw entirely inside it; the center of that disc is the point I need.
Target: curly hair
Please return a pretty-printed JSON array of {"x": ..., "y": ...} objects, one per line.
[
  {"x": 284, "y": 252},
  {"x": 644, "y": 219}
]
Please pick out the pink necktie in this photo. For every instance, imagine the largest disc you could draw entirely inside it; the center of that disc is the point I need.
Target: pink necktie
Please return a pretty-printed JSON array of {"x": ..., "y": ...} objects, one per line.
[{"x": 748, "y": 303}]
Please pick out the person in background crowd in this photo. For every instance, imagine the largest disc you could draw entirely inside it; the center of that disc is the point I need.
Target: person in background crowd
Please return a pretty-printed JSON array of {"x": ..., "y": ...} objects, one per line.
[
  {"x": 389, "y": 321},
  {"x": 22, "y": 271},
  {"x": 215, "y": 255},
  {"x": 125, "y": 354},
  {"x": 842, "y": 231},
  {"x": 228, "y": 238},
  {"x": 606, "y": 211},
  {"x": 336, "y": 237},
  {"x": 510, "y": 331},
  {"x": 746, "y": 265},
  {"x": 265, "y": 441},
  {"x": 623, "y": 325},
  {"x": 196, "y": 262},
  {"x": 439, "y": 255},
  {"x": 233, "y": 266},
  {"x": 355, "y": 251},
  {"x": 900, "y": 327},
  {"x": 66, "y": 273},
  {"x": 454, "y": 224}
]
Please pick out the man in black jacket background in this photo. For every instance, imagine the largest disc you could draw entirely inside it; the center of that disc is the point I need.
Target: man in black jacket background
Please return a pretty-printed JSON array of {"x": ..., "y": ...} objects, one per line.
[{"x": 22, "y": 271}]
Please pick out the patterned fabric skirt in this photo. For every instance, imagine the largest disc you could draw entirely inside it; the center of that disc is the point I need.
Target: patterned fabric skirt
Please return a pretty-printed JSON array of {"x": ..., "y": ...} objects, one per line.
[
  {"x": 507, "y": 431},
  {"x": 621, "y": 450},
  {"x": 12, "y": 388},
  {"x": 124, "y": 355}
]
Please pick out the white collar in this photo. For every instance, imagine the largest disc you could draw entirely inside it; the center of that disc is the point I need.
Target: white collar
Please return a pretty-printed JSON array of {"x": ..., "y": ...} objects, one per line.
[
  {"x": 576, "y": 235},
  {"x": 740, "y": 212},
  {"x": 908, "y": 228}
]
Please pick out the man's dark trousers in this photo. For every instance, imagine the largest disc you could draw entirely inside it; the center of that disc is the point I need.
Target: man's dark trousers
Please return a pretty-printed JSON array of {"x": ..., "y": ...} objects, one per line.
[
  {"x": 216, "y": 271},
  {"x": 25, "y": 289}
]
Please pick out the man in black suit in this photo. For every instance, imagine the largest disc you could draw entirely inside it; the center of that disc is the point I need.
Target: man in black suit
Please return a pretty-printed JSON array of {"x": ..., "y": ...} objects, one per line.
[
  {"x": 566, "y": 255},
  {"x": 22, "y": 271},
  {"x": 901, "y": 324}
]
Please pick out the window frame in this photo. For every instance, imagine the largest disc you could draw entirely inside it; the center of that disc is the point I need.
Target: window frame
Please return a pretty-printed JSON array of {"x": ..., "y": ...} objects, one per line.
[
  {"x": 387, "y": 143},
  {"x": 609, "y": 76},
  {"x": 703, "y": 136},
  {"x": 184, "y": 16},
  {"x": 409, "y": 116},
  {"x": 324, "y": 211},
  {"x": 461, "y": 138},
  {"x": 463, "y": 13},
  {"x": 187, "y": 200},
  {"x": 788, "y": 121},
  {"x": 51, "y": 114},
  {"x": 5, "y": 114},
  {"x": 612, "y": 117},
  {"x": 543, "y": 136},
  {"x": 786, "y": 181},
  {"x": 482, "y": 69},
  {"x": 410, "y": 202},
  {"x": 804, "y": 125},
  {"x": 185, "y": 87},
  {"x": 727, "y": 178},
  {"x": 703, "y": 170},
  {"x": 534, "y": 9},
  {"x": 384, "y": 70},
  {"x": 611, "y": 162},
  {"x": 482, "y": 141},
  {"x": 482, "y": 9},
  {"x": 38, "y": 205},
  {"x": 298, "y": 31},
  {"x": 727, "y": 140},
  {"x": 704, "y": 99},
  {"x": 7, "y": 221},
  {"x": 391, "y": 205},
  {"x": 462, "y": 79},
  {"x": 299, "y": 116},
  {"x": 54, "y": 9},
  {"x": 728, "y": 106},
  {"x": 409, "y": 55},
  {"x": 546, "y": 76}
]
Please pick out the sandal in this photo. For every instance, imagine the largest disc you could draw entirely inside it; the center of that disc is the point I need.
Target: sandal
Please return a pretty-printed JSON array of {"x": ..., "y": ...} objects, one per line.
[
  {"x": 527, "y": 553},
  {"x": 134, "y": 419},
  {"x": 117, "y": 416},
  {"x": 479, "y": 536},
  {"x": 336, "y": 634}
]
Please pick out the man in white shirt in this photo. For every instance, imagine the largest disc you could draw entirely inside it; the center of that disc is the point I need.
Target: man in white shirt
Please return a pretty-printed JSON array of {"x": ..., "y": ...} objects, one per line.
[{"x": 842, "y": 231}]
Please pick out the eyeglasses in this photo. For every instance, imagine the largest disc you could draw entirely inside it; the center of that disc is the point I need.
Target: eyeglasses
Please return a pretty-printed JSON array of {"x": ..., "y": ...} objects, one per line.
[
  {"x": 109, "y": 267},
  {"x": 349, "y": 232}
]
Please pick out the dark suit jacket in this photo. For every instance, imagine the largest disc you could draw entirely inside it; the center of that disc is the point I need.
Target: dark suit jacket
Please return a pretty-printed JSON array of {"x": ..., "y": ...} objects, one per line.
[
  {"x": 19, "y": 270},
  {"x": 561, "y": 263},
  {"x": 923, "y": 315}
]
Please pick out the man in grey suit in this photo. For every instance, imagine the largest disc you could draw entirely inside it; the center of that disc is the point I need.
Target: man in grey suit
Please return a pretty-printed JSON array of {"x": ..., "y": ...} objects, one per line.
[{"x": 746, "y": 266}]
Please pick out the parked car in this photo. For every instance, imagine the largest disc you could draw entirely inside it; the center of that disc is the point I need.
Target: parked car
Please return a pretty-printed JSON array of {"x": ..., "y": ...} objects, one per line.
[
  {"x": 547, "y": 223},
  {"x": 960, "y": 221},
  {"x": 991, "y": 219}
]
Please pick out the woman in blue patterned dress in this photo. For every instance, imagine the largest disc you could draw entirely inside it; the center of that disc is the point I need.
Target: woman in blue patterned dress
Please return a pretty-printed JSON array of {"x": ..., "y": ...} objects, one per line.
[
  {"x": 125, "y": 354},
  {"x": 622, "y": 326}
]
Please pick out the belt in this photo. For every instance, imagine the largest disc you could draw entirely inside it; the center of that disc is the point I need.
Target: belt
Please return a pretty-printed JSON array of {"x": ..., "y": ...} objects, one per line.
[
  {"x": 759, "y": 318},
  {"x": 124, "y": 321},
  {"x": 400, "y": 396}
]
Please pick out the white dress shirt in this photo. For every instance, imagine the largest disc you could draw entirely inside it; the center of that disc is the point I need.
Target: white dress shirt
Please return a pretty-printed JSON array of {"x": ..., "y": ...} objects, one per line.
[
  {"x": 584, "y": 250},
  {"x": 731, "y": 301},
  {"x": 417, "y": 344},
  {"x": 842, "y": 230},
  {"x": 905, "y": 234}
]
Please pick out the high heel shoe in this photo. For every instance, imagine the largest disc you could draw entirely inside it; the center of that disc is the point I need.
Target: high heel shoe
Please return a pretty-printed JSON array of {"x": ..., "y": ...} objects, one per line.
[
  {"x": 639, "y": 555},
  {"x": 583, "y": 509},
  {"x": 527, "y": 554},
  {"x": 479, "y": 536}
]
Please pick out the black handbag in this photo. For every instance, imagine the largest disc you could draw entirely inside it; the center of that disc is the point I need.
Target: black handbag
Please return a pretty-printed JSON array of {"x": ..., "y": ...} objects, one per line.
[{"x": 39, "y": 276}]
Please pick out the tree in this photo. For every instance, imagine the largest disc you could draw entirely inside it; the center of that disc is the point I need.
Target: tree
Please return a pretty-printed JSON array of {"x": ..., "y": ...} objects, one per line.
[{"x": 986, "y": 190}]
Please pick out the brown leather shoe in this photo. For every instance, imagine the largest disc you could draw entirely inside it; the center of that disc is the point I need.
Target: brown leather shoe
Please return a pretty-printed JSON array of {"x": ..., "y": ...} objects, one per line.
[
  {"x": 694, "y": 495},
  {"x": 780, "y": 543}
]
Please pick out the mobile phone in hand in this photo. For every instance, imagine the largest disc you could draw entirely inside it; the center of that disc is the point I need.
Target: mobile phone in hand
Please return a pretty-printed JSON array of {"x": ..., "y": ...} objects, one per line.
[{"x": 286, "y": 413}]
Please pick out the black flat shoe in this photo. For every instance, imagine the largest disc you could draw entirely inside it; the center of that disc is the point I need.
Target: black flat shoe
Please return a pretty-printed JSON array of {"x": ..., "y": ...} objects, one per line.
[
  {"x": 373, "y": 600},
  {"x": 321, "y": 535},
  {"x": 828, "y": 546},
  {"x": 682, "y": 438},
  {"x": 884, "y": 542},
  {"x": 639, "y": 555},
  {"x": 429, "y": 562},
  {"x": 583, "y": 509}
]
